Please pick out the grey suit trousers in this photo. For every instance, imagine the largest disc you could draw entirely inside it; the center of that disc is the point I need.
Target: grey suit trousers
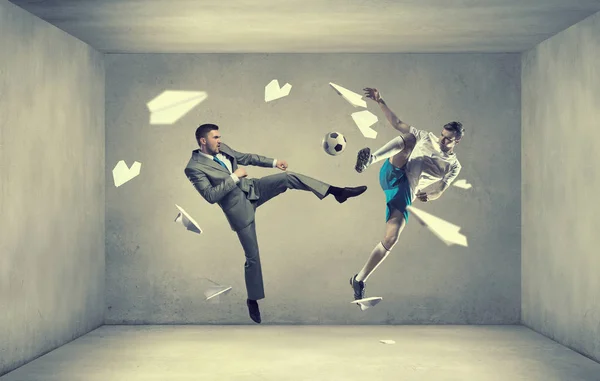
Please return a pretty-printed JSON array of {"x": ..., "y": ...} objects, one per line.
[{"x": 269, "y": 187}]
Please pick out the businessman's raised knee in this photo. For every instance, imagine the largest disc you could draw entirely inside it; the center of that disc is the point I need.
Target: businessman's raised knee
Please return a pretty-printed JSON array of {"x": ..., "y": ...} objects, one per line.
[{"x": 289, "y": 178}]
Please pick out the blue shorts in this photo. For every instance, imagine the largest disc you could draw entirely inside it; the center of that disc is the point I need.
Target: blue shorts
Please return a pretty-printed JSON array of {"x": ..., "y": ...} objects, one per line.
[{"x": 396, "y": 187}]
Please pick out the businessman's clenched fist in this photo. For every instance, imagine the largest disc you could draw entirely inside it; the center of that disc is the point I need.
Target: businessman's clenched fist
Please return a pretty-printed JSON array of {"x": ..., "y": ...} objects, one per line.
[{"x": 282, "y": 164}]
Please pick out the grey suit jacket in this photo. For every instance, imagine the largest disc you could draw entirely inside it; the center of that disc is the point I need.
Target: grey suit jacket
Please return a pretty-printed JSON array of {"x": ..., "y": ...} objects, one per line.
[{"x": 215, "y": 184}]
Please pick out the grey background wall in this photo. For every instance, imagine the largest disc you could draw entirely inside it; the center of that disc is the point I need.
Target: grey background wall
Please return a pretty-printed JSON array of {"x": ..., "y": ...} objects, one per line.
[
  {"x": 310, "y": 248},
  {"x": 52, "y": 182},
  {"x": 561, "y": 110}
]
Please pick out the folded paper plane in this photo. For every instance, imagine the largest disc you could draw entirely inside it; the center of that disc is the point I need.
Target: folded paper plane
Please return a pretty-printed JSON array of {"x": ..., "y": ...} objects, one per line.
[
  {"x": 444, "y": 230},
  {"x": 353, "y": 98},
  {"x": 186, "y": 220},
  {"x": 216, "y": 291},
  {"x": 273, "y": 91},
  {"x": 462, "y": 184},
  {"x": 367, "y": 302},
  {"x": 122, "y": 174},
  {"x": 170, "y": 106},
  {"x": 364, "y": 120}
]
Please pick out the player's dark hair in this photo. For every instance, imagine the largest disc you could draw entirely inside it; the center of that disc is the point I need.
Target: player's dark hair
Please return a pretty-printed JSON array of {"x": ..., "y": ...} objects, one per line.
[
  {"x": 203, "y": 130},
  {"x": 457, "y": 128}
]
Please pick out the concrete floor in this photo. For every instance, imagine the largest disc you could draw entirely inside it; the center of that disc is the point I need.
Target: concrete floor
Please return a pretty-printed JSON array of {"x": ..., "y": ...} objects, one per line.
[{"x": 291, "y": 353}]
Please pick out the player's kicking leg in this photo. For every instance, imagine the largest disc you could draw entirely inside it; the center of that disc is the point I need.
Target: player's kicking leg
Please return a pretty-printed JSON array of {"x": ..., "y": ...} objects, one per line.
[{"x": 395, "y": 146}]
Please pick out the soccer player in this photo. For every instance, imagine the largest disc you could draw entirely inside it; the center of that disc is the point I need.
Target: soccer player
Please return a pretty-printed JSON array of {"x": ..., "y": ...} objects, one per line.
[{"x": 417, "y": 165}]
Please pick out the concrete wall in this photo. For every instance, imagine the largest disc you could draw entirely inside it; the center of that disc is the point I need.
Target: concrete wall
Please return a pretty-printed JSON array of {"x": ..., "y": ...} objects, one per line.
[
  {"x": 310, "y": 248},
  {"x": 52, "y": 180},
  {"x": 561, "y": 112}
]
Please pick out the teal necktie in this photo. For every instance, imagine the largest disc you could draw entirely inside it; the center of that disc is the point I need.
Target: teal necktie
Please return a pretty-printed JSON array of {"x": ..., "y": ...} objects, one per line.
[{"x": 220, "y": 162}]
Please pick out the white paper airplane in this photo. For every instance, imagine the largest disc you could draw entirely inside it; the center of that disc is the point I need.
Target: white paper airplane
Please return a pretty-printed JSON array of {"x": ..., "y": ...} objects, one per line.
[
  {"x": 122, "y": 174},
  {"x": 186, "y": 220},
  {"x": 352, "y": 97},
  {"x": 214, "y": 291},
  {"x": 444, "y": 230},
  {"x": 387, "y": 341},
  {"x": 462, "y": 183},
  {"x": 272, "y": 90},
  {"x": 364, "y": 120},
  {"x": 170, "y": 106},
  {"x": 367, "y": 302}
]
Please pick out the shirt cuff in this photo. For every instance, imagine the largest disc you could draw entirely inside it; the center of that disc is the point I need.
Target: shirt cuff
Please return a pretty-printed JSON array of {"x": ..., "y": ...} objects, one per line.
[
  {"x": 235, "y": 178},
  {"x": 274, "y": 163}
]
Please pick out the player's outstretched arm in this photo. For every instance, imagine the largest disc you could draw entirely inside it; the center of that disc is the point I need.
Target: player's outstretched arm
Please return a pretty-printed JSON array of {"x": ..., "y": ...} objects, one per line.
[
  {"x": 389, "y": 114},
  {"x": 441, "y": 186},
  {"x": 437, "y": 191}
]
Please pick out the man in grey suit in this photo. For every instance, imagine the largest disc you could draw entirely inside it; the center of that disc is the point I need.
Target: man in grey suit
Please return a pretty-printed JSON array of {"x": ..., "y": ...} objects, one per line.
[{"x": 214, "y": 172}]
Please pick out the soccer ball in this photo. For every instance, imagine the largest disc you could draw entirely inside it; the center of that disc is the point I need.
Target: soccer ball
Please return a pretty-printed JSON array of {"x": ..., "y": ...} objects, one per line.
[{"x": 334, "y": 143}]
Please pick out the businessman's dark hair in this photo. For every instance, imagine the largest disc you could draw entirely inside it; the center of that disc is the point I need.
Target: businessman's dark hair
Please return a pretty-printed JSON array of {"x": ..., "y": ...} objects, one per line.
[
  {"x": 457, "y": 128},
  {"x": 203, "y": 131}
]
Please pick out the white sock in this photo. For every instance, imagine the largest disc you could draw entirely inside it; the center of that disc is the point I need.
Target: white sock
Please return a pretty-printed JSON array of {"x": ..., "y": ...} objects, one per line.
[
  {"x": 389, "y": 149},
  {"x": 377, "y": 256}
]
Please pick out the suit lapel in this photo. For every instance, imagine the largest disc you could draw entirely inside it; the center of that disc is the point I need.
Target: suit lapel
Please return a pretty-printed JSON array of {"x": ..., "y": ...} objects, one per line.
[
  {"x": 206, "y": 161},
  {"x": 229, "y": 156}
]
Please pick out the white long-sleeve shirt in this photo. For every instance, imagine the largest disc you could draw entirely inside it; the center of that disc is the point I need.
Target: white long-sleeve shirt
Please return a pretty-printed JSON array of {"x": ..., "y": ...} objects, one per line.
[{"x": 428, "y": 164}]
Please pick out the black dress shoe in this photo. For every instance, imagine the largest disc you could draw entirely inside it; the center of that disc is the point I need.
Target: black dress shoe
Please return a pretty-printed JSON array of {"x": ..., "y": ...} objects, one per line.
[
  {"x": 348, "y": 192},
  {"x": 253, "y": 310}
]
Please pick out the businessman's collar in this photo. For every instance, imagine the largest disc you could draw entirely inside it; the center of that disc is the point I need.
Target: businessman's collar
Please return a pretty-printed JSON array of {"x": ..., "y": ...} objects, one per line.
[{"x": 205, "y": 155}]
